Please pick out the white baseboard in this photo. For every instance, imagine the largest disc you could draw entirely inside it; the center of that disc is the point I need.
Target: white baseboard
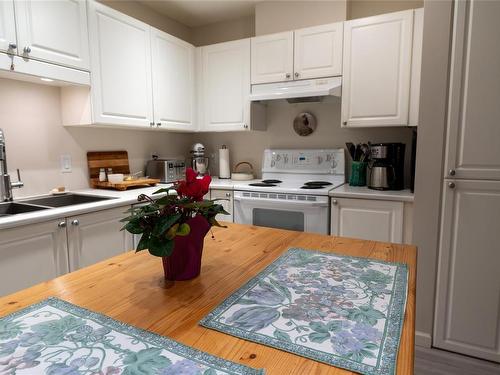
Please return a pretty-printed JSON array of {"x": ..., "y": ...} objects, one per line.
[{"x": 423, "y": 339}]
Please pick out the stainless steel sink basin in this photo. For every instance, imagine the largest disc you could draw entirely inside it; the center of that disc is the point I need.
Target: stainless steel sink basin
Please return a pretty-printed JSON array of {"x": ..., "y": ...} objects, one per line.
[
  {"x": 13, "y": 208},
  {"x": 65, "y": 200}
]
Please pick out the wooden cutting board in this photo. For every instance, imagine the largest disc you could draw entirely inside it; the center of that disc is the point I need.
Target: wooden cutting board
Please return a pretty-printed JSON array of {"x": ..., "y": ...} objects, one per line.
[{"x": 118, "y": 161}]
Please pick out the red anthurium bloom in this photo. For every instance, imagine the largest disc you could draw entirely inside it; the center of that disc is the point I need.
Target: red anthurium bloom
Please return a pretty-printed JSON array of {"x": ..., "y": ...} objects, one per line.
[{"x": 193, "y": 187}]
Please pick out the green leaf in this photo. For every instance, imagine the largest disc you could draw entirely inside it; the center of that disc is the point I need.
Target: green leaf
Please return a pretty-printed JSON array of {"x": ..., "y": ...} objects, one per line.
[
  {"x": 281, "y": 335},
  {"x": 184, "y": 229},
  {"x": 334, "y": 325},
  {"x": 215, "y": 223},
  {"x": 210, "y": 371},
  {"x": 164, "y": 190},
  {"x": 281, "y": 289},
  {"x": 145, "y": 361},
  {"x": 160, "y": 248},
  {"x": 143, "y": 242},
  {"x": 134, "y": 227},
  {"x": 365, "y": 314},
  {"x": 245, "y": 301},
  {"x": 53, "y": 332},
  {"x": 164, "y": 223},
  {"x": 318, "y": 327},
  {"x": 319, "y": 337}
]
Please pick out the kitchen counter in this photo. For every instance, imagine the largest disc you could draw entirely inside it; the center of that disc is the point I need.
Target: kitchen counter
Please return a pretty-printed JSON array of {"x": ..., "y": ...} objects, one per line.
[
  {"x": 228, "y": 184},
  {"x": 122, "y": 198},
  {"x": 363, "y": 192},
  {"x": 131, "y": 288}
]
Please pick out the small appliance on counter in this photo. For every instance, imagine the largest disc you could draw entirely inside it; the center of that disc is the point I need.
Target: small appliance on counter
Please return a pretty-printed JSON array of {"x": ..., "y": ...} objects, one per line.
[
  {"x": 166, "y": 170},
  {"x": 199, "y": 162},
  {"x": 386, "y": 168}
]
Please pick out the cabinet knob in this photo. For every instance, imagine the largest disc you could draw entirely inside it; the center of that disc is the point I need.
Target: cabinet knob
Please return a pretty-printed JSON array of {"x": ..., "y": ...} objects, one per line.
[
  {"x": 75, "y": 222},
  {"x": 12, "y": 45},
  {"x": 151, "y": 124},
  {"x": 288, "y": 75},
  {"x": 334, "y": 202},
  {"x": 344, "y": 123},
  {"x": 158, "y": 124},
  {"x": 228, "y": 195},
  {"x": 451, "y": 172},
  {"x": 62, "y": 224},
  {"x": 27, "y": 49},
  {"x": 245, "y": 126},
  {"x": 297, "y": 74},
  {"x": 451, "y": 185}
]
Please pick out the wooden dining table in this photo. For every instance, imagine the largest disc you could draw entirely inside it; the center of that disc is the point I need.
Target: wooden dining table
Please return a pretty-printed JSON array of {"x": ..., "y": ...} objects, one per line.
[{"x": 131, "y": 288}]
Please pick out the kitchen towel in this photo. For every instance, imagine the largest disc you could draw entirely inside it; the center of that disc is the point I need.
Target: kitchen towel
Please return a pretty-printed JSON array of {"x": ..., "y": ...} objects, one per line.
[
  {"x": 344, "y": 311},
  {"x": 224, "y": 169},
  {"x": 54, "y": 337}
]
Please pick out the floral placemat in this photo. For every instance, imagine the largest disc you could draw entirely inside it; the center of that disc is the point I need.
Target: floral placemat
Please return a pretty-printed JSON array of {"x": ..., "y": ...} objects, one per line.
[
  {"x": 54, "y": 337},
  {"x": 344, "y": 311}
]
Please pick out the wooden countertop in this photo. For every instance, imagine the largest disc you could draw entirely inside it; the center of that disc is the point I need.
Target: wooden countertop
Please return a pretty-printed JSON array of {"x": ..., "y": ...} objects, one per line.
[{"x": 130, "y": 288}]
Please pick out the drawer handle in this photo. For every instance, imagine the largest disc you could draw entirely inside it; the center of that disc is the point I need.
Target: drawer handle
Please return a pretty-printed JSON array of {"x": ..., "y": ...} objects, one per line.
[{"x": 451, "y": 185}]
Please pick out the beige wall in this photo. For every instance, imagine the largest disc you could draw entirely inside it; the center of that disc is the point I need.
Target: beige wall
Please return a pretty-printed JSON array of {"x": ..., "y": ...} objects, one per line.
[
  {"x": 249, "y": 146},
  {"x": 30, "y": 117},
  {"x": 224, "y": 31},
  {"x": 149, "y": 16},
  {"x": 276, "y": 16},
  {"x": 366, "y": 8},
  {"x": 429, "y": 173}
]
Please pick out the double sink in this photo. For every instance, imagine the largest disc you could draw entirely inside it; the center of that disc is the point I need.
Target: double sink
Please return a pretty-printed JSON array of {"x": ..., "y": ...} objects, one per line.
[{"x": 47, "y": 202}]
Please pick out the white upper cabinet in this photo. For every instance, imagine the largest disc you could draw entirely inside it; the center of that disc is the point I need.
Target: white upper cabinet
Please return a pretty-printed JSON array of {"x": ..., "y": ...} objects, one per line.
[
  {"x": 474, "y": 110},
  {"x": 225, "y": 86},
  {"x": 173, "y": 81},
  {"x": 7, "y": 27},
  {"x": 121, "y": 68},
  {"x": 53, "y": 31},
  {"x": 376, "y": 70},
  {"x": 318, "y": 51},
  {"x": 416, "y": 66},
  {"x": 272, "y": 58}
]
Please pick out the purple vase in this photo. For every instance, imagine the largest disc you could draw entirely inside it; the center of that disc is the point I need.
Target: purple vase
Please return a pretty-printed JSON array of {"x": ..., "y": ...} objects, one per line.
[{"x": 185, "y": 261}]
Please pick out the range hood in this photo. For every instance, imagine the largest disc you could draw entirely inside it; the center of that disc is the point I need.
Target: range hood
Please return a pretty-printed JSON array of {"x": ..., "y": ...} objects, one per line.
[{"x": 310, "y": 90}]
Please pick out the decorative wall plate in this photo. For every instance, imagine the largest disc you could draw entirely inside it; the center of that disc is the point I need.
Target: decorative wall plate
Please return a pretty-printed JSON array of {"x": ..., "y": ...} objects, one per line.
[{"x": 304, "y": 124}]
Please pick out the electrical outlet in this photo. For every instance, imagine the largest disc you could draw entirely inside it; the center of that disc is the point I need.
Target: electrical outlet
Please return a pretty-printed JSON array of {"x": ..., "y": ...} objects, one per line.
[{"x": 66, "y": 163}]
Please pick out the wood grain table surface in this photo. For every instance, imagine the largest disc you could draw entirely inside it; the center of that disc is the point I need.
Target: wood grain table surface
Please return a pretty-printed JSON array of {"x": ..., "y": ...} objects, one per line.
[{"x": 131, "y": 288}]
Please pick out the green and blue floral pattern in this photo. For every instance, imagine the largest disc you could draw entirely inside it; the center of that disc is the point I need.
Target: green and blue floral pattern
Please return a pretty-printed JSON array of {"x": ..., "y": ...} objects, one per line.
[
  {"x": 344, "y": 311},
  {"x": 55, "y": 337}
]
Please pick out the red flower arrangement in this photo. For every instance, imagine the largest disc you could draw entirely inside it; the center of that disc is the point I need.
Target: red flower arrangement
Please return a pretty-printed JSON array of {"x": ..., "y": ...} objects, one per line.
[{"x": 163, "y": 219}]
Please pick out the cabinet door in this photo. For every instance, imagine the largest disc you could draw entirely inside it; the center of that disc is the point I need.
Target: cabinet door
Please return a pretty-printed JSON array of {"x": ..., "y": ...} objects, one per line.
[
  {"x": 416, "y": 66},
  {"x": 173, "y": 81},
  {"x": 318, "y": 51},
  {"x": 468, "y": 288},
  {"x": 272, "y": 58},
  {"x": 376, "y": 70},
  {"x": 96, "y": 236},
  {"x": 474, "y": 110},
  {"x": 7, "y": 26},
  {"x": 226, "y": 202},
  {"x": 121, "y": 68},
  {"x": 54, "y": 31},
  {"x": 225, "y": 86},
  {"x": 367, "y": 219},
  {"x": 32, "y": 254}
]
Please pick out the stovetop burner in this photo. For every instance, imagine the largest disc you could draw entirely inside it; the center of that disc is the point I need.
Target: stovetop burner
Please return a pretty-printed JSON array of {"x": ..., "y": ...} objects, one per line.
[
  {"x": 272, "y": 181},
  {"x": 262, "y": 184},
  {"x": 312, "y": 187},
  {"x": 318, "y": 183}
]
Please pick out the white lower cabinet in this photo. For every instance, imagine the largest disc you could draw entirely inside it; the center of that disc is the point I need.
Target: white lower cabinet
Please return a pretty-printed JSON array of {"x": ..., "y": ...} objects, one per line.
[
  {"x": 468, "y": 287},
  {"x": 367, "y": 219},
  {"x": 96, "y": 236},
  {"x": 31, "y": 254},
  {"x": 227, "y": 203}
]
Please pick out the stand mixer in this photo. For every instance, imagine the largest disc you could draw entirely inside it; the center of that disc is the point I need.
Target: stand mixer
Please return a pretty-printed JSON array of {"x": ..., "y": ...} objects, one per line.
[{"x": 199, "y": 162}]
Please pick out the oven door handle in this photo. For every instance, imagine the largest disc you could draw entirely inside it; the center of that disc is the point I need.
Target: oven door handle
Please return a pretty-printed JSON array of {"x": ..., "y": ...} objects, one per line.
[{"x": 289, "y": 202}]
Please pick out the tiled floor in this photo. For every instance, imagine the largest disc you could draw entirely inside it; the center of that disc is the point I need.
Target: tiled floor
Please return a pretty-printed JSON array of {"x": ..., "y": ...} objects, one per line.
[{"x": 440, "y": 362}]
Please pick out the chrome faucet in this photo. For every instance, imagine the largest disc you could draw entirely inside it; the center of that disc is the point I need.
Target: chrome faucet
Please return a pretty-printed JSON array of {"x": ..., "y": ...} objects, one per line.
[{"x": 5, "y": 184}]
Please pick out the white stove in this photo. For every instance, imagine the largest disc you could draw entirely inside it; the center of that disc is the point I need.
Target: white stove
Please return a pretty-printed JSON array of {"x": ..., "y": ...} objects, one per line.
[{"x": 293, "y": 192}]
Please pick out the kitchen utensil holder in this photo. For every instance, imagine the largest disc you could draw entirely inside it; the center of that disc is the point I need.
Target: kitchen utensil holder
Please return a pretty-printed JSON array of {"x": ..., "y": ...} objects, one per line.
[{"x": 358, "y": 173}]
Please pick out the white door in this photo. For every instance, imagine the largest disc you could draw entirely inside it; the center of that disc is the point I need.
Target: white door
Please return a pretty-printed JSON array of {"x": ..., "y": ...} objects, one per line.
[
  {"x": 173, "y": 81},
  {"x": 54, "y": 31},
  {"x": 473, "y": 150},
  {"x": 226, "y": 201},
  {"x": 468, "y": 289},
  {"x": 376, "y": 70},
  {"x": 32, "y": 254},
  {"x": 7, "y": 26},
  {"x": 97, "y": 236},
  {"x": 367, "y": 219},
  {"x": 225, "y": 80},
  {"x": 121, "y": 68},
  {"x": 318, "y": 51},
  {"x": 272, "y": 58}
]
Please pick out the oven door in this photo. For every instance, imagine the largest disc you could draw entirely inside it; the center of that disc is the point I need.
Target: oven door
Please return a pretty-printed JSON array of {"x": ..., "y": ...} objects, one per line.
[{"x": 285, "y": 211}]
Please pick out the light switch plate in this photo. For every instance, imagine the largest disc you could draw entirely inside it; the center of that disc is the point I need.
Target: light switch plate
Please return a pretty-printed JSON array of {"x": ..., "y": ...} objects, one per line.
[{"x": 66, "y": 163}]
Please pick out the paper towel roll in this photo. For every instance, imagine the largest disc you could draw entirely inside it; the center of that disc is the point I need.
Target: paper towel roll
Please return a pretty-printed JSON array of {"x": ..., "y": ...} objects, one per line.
[{"x": 224, "y": 170}]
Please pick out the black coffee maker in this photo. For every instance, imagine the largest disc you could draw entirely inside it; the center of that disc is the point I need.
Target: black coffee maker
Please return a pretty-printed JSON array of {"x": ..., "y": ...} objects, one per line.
[{"x": 386, "y": 167}]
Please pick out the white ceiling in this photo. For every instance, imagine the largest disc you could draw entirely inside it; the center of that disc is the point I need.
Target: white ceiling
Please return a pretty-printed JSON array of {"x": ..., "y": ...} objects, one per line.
[{"x": 195, "y": 13}]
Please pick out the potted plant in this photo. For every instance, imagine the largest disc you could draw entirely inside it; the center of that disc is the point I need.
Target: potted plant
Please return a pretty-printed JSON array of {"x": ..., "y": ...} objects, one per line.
[{"x": 174, "y": 226}]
